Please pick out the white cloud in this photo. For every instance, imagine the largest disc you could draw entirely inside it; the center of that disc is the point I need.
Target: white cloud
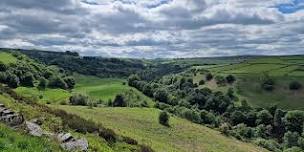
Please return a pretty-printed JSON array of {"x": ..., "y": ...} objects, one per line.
[{"x": 152, "y": 28}]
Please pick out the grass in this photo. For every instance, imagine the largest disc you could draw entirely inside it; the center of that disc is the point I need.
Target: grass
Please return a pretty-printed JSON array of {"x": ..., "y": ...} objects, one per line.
[
  {"x": 7, "y": 58},
  {"x": 11, "y": 140},
  {"x": 283, "y": 69},
  {"x": 142, "y": 125},
  {"x": 54, "y": 96},
  {"x": 107, "y": 88}
]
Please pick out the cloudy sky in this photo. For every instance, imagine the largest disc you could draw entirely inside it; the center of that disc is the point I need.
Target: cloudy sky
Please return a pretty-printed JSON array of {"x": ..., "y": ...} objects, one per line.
[{"x": 155, "y": 28}]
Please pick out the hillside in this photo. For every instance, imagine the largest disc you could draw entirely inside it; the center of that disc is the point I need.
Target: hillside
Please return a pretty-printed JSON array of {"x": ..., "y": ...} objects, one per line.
[
  {"x": 250, "y": 75},
  {"x": 142, "y": 124}
]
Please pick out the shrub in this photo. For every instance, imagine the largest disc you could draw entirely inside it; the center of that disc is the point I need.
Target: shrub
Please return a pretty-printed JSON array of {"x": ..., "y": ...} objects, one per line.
[
  {"x": 207, "y": 117},
  {"x": 144, "y": 148},
  {"x": 230, "y": 79},
  {"x": 264, "y": 117},
  {"x": 108, "y": 134},
  {"x": 161, "y": 95},
  {"x": 201, "y": 82},
  {"x": 43, "y": 83},
  {"x": 290, "y": 139},
  {"x": 294, "y": 121},
  {"x": 270, "y": 145},
  {"x": 244, "y": 131},
  {"x": 79, "y": 99},
  {"x": 57, "y": 82},
  {"x": 191, "y": 115},
  {"x": 268, "y": 84},
  {"x": 220, "y": 80},
  {"x": 164, "y": 118},
  {"x": 209, "y": 76},
  {"x": 119, "y": 101},
  {"x": 224, "y": 128},
  {"x": 129, "y": 140},
  {"x": 295, "y": 85},
  {"x": 293, "y": 149}
]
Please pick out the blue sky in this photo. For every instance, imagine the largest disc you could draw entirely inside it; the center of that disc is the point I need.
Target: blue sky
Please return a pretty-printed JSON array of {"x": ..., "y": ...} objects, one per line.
[{"x": 155, "y": 28}]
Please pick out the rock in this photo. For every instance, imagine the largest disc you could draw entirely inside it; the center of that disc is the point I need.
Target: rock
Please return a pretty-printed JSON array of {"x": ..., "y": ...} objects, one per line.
[
  {"x": 76, "y": 145},
  {"x": 34, "y": 129},
  {"x": 62, "y": 137}
]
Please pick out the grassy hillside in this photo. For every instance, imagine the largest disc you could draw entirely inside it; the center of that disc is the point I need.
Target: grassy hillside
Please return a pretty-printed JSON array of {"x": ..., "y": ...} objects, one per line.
[
  {"x": 250, "y": 74},
  {"x": 7, "y": 58},
  {"x": 10, "y": 140},
  {"x": 107, "y": 88},
  {"x": 142, "y": 124}
]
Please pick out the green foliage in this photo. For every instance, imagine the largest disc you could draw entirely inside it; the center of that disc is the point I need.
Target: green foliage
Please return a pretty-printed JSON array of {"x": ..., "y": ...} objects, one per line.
[
  {"x": 268, "y": 144},
  {"x": 264, "y": 117},
  {"x": 161, "y": 95},
  {"x": 291, "y": 139},
  {"x": 230, "y": 79},
  {"x": 294, "y": 121},
  {"x": 201, "y": 82},
  {"x": 209, "y": 76},
  {"x": 295, "y": 85},
  {"x": 164, "y": 118},
  {"x": 120, "y": 101},
  {"x": 79, "y": 99},
  {"x": 268, "y": 84}
]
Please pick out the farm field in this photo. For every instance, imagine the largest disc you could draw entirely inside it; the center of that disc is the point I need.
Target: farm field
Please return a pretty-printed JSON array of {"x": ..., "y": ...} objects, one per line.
[
  {"x": 142, "y": 124},
  {"x": 7, "y": 58}
]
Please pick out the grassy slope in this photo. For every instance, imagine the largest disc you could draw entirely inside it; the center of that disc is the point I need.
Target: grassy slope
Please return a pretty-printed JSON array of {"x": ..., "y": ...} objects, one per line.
[
  {"x": 10, "y": 140},
  {"x": 282, "y": 69},
  {"x": 7, "y": 58},
  {"x": 142, "y": 124},
  {"x": 105, "y": 89}
]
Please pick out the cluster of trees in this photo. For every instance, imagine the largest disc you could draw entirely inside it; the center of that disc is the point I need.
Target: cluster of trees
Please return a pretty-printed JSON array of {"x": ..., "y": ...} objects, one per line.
[
  {"x": 28, "y": 73},
  {"x": 97, "y": 66},
  {"x": 272, "y": 128}
]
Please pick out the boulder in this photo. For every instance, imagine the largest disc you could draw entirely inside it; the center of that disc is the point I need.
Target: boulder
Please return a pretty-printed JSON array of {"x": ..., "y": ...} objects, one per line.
[
  {"x": 76, "y": 145},
  {"x": 34, "y": 129},
  {"x": 64, "y": 137}
]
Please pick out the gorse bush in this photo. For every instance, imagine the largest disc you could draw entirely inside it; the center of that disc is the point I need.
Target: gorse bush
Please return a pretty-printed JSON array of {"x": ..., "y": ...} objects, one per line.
[
  {"x": 295, "y": 85},
  {"x": 79, "y": 99}
]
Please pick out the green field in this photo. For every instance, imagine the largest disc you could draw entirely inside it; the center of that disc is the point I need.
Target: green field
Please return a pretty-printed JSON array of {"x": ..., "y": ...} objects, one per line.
[
  {"x": 107, "y": 88},
  {"x": 7, "y": 58},
  {"x": 142, "y": 124},
  {"x": 54, "y": 96},
  {"x": 249, "y": 78}
]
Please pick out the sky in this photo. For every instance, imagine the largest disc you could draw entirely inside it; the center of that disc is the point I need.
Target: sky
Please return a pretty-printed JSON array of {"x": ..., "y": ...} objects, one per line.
[{"x": 155, "y": 28}]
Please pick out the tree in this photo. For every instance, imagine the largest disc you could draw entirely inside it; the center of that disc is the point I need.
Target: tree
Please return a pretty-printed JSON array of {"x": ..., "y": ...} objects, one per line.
[
  {"x": 237, "y": 117},
  {"x": 209, "y": 76},
  {"x": 268, "y": 84},
  {"x": 12, "y": 80},
  {"x": 294, "y": 121},
  {"x": 164, "y": 118},
  {"x": 230, "y": 79},
  {"x": 264, "y": 117},
  {"x": 278, "y": 123},
  {"x": 161, "y": 95},
  {"x": 57, "y": 82},
  {"x": 43, "y": 83},
  {"x": 119, "y": 101},
  {"x": 3, "y": 67},
  {"x": 132, "y": 80},
  {"x": 79, "y": 99},
  {"x": 201, "y": 82},
  {"x": 147, "y": 90},
  {"x": 70, "y": 81},
  {"x": 28, "y": 80},
  {"x": 291, "y": 139},
  {"x": 295, "y": 85}
]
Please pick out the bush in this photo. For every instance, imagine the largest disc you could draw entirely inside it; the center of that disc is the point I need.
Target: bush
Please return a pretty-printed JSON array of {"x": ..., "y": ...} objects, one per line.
[
  {"x": 220, "y": 80},
  {"x": 209, "y": 76},
  {"x": 161, "y": 95},
  {"x": 268, "y": 84},
  {"x": 119, "y": 101},
  {"x": 129, "y": 140},
  {"x": 295, "y": 85},
  {"x": 201, "y": 82},
  {"x": 144, "y": 148},
  {"x": 270, "y": 145},
  {"x": 230, "y": 79},
  {"x": 244, "y": 131},
  {"x": 164, "y": 118},
  {"x": 79, "y": 99},
  {"x": 224, "y": 128},
  {"x": 293, "y": 149},
  {"x": 57, "y": 82},
  {"x": 290, "y": 139},
  {"x": 207, "y": 117},
  {"x": 264, "y": 117},
  {"x": 294, "y": 121},
  {"x": 108, "y": 134},
  {"x": 43, "y": 83}
]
